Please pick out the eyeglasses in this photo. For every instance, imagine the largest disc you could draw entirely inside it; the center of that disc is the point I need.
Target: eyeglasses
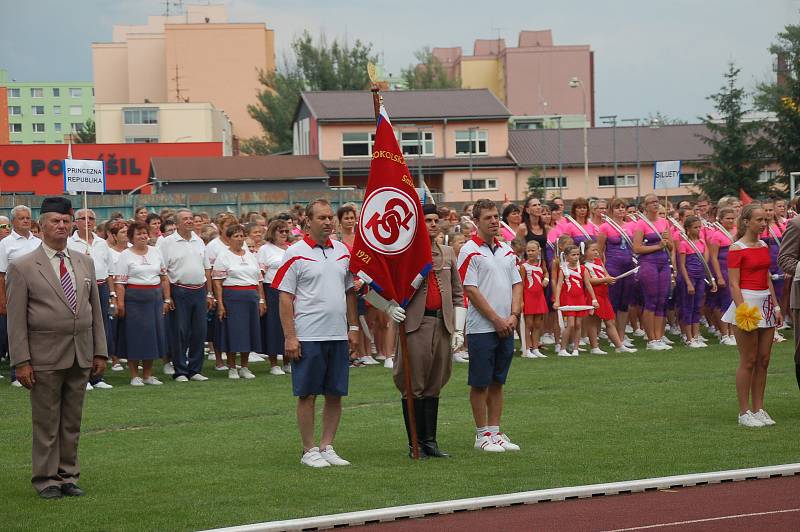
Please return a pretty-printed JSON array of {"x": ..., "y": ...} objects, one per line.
[
  {"x": 5, "y": 226},
  {"x": 284, "y": 231}
]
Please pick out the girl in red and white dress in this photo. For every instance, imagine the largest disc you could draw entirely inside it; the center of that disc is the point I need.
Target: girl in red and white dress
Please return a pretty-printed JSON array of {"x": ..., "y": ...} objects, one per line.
[
  {"x": 600, "y": 281},
  {"x": 534, "y": 305},
  {"x": 572, "y": 289},
  {"x": 751, "y": 283}
]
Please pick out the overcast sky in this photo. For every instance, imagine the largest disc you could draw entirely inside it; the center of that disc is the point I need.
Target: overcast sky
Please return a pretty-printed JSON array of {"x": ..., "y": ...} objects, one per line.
[{"x": 650, "y": 56}]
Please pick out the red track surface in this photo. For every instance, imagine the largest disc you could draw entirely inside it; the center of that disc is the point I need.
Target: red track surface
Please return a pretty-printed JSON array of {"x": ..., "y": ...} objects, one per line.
[{"x": 716, "y": 507}]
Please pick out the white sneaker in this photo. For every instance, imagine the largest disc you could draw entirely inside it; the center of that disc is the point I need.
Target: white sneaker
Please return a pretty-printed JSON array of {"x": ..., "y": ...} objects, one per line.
[
  {"x": 748, "y": 419},
  {"x": 627, "y": 339},
  {"x": 693, "y": 344},
  {"x": 597, "y": 351},
  {"x": 639, "y": 333},
  {"x": 197, "y": 377},
  {"x": 603, "y": 335},
  {"x": 701, "y": 338},
  {"x": 89, "y": 387},
  {"x": 102, "y": 386},
  {"x": 487, "y": 443},
  {"x": 137, "y": 381},
  {"x": 330, "y": 456},
  {"x": 233, "y": 374},
  {"x": 182, "y": 378},
  {"x": 287, "y": 368},
  {"x": 211, "y": 356},
  {"x": 779, "y": 337},
  {"x": 655, "y": 345},
  {"x": 379, "y": 358},
  {"x": 313, "y": 458},
  {"x": 255, "y": 357},
  {"x": 548, "y": 339},
  {"x": 245, "y": 373},
  {"x": 16, "y": 384},
  {"x": 367, "y": 360},
  {"x": 459, "y": 359},
  {"x": 152, "y": 381},
  {"x": 666, "y": 340},
  {"x": 538, "y": 354},
  {"x": 563, "y": 353},
  {"x": 276, "y": 370},
  {"x": 117, "y": 367},
  {"x": 628, "y": 329},
  {"x": 221, "y": 368},
  {"x": 123, "y": 360},
  {"x": 388, "y": 363},
  {"x": 625, "y": 349},
  {"x": 675, "y": 330},
  {"x": 731, "y": 340},
  {"x": 503, "y": 441},
  {"x": 575, "y": 353},
  {"x": 584, "y": 341},
  {"x": 528, "y": 353},
  {"x": 763, "y": 417},
  {"x": 557, "y": 348},
  {"x": 169, "y": 369}
]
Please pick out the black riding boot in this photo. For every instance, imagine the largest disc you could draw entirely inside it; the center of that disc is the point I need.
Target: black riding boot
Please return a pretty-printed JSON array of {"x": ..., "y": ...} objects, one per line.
[
  {"x": 431, "y": 419},
  {"x": 797, "y": 374},
  {"x": 419, "y": 416}
]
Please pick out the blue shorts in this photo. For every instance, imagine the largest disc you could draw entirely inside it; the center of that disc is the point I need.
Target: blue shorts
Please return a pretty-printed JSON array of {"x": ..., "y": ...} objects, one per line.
[
  {"x": 322, "y": 369},
  {"x": 489, "y": 358}
]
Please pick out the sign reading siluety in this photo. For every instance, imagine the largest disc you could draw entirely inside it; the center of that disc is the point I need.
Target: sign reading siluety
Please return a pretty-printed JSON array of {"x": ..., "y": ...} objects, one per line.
[
  {"x": 84, "y": 176},
  {"x": 667, "y": 174}
]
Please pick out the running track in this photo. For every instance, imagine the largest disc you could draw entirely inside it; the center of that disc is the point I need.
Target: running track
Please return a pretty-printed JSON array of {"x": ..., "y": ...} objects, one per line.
[{"x": 751, "y": 505}]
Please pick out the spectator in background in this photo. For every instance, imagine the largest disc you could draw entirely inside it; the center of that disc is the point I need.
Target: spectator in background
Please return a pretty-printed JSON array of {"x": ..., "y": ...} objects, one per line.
[
  {"x": 270, "y": 257},
  {"x": 117, "y": 243},
  {"x": 213, "y": 249},
  {"x": 347, "y": 223},
  {"x": 36, "y": 229},
  {"x": 5, "y": 227},
  {"x": 143, "y": 299},
  {"x": 19, "y": 243},
  {"x": 140, "y": 215},
  {"x": 153, "y": 228},
  {"x": 198, "y": 224},
  {"x": 168, "y": 227},
  {"x": 255, "y": 236}
]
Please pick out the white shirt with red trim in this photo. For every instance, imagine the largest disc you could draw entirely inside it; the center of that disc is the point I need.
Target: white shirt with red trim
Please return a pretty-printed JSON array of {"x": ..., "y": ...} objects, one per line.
[
  {"x": 318, "y": 277},
  {"x": 493, "y": 270},
  {"x": 147, "y": 269},
  {"x": 237, "y": 270}
]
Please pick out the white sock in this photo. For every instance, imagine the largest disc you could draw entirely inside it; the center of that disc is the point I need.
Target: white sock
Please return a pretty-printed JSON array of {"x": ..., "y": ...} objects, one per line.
[
  {"x": 481, "y": 431},
  {"x": 494, "y": 429}
]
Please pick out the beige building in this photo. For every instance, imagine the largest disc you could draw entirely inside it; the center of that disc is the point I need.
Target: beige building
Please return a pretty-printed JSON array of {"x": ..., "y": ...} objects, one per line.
[
  {"x": 197, "y": 56},
  {"x": 137, "y": 123}
]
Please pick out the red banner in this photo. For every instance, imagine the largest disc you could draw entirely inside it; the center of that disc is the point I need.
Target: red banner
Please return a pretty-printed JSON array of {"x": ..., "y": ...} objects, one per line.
[
  {"x": 37, "y": 168},
  {"x": 392, "y": 251}
]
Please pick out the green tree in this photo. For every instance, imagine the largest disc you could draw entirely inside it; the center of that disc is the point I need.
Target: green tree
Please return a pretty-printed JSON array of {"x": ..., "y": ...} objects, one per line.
[
  {"x": 783, "y": 99},
  {"x": 313, "y": 66},
  {"x": 536, "y": 184},
  {"x": 86, "y": 134},
  {"x": 737, "y": 145},
  {"x": 428, "y": 73}
]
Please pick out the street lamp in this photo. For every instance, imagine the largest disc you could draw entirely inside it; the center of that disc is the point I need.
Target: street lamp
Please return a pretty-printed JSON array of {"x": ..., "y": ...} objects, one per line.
[
  {"x": 560, "y": 163},
  {"x": 612, "y": 119},
  {"x": 638, "y": 159},
  {"x": 471, "y": 149},
  {"x": 574, "y": 83}
]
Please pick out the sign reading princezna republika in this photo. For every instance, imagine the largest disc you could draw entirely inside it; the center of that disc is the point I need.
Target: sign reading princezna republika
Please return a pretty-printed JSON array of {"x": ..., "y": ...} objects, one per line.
[{"x": 84, "y": 176}]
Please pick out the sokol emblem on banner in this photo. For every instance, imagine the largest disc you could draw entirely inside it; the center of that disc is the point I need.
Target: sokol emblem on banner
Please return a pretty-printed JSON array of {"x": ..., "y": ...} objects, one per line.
[{"x": 391, "y": 221}]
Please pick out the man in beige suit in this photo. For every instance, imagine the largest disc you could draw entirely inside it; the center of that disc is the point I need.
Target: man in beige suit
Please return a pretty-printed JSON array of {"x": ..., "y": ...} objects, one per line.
[
  {"x": 56, "y": 336},
  {"x": 788, "y": 260},
  {"x": 434, "y": 321}
]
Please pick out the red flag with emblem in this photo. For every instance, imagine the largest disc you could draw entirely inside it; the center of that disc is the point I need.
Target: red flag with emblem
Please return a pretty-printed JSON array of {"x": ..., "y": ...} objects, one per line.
[{"x": 392, "y": 251}]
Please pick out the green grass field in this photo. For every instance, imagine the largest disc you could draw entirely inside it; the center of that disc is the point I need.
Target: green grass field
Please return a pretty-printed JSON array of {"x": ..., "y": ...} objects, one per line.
[{"x": 221, "y": 453}]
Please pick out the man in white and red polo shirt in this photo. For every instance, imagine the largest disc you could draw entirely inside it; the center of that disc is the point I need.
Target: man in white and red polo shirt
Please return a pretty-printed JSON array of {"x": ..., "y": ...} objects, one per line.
[
  {"x": 492, "y": 283},
  {"x": 318, "y": 308}
]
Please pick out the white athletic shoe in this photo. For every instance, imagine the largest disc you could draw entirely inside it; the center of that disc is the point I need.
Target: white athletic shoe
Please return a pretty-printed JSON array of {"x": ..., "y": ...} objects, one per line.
[
  {"x": 763, "y": 417},
  {"x": 639, "y": 333},
  {"x": 503, "y": 441},
  {"x": 197, "y": 377},
  {"x": 330, "y": 456},
  {"x": 694, "y": 344},
  {"x": 538, "y": 354},
  {"x": 487, "y": 443},
  {"x": 666, "y": 340},
  {"x": 276, "y": 370},
  {"x": 152, "y": 381},
  {"x": 575, "y": 353},
  {"x": 729, "y": 340},
  {"x": 287, "y": 368},
  {"x": 367, "y": 360},
  {"x": 388, "y": 363},
  {"x": 548, "y": 339},
  {"x": 563, "y": 353},
  {"x": 674, "y": 330},
  {"x": 625, "y": 349},
  {"x": 313, "y": 458},
  {"x": 779, "y": 337},
  {"x": 117, "y": 367},
  {"x": 89, "y": 387},
  {"x": 137, "y": 381},
  {"x": 597, "y": 351},
  {"x": 233, "y": 374},
  {"x": 182, "y": 378},
  {"x": 221, "y": 368},
  {"x": 655, "y": 345},
  {"x": 245, "y": 373},
  {"x": 255, "y": 357},
  {"x": 584, "y": 341},
  {"x": 748, "y": 419},
  {"x": 211, "y": 356},
  {"x": 459, "y": 359},
  {"x": 379, "y": 358},
  {"x": 603, "y": 335},
  {"x": 628, "y": 329},
  {"x": 169, "y": 369}
]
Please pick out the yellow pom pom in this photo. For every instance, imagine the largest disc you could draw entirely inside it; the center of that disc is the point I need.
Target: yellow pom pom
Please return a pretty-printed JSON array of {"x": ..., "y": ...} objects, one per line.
[{"x": 747, "y": 317}]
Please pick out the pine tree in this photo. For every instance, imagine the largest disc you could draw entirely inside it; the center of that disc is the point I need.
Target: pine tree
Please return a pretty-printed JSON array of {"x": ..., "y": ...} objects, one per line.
[
  {"x": 428, "y": 73},
  {"x": 737, "y": 145},
  {"x": 783, "y": 99}
]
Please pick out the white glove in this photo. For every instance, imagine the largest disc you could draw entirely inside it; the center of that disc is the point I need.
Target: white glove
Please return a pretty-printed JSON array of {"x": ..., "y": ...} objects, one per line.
[
  {"x": 395, "y": 311},
  {"x": 457, "y": 339}
]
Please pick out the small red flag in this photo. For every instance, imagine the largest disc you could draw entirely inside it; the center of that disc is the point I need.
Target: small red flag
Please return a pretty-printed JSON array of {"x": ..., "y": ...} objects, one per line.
[
  {"x": 744, "y": 197},
  {"x": 392, "y": 251}
]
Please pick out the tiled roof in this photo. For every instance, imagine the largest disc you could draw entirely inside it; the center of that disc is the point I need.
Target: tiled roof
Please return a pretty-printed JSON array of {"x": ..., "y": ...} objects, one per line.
[{"x": 254, "y": 168}]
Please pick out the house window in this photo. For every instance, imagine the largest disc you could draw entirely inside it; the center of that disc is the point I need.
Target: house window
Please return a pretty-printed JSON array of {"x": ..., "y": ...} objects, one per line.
[
  {"x": 76, "y": 127},
  {"x": 56, "y": 109},
  {"x": 410, "y": 142},
  {"x": 15, "y": 128},
  {"x": 552, "y": 182},
  {"x": 37, "y": 93},
  {"x": 57, "y": 127},
  {"x": 479, "y": 184},
  {"x": 141, "y": 140},
  {"x": 480, "y": 142},
  {"x": 357, "y": 144},
  {"x": 13, "y": 93},
  {"x": 689, "y": 178},
  {"x": 38, "y": 142},
  {"x": 767, "y": 175},
  {"x": 622, "y": 180},
  {"x": 14, "y": 110},
  {"x": 140, "y": 116},
  {"x": 56, "y": 92},
  {"x": 37, "y": 110},
  {"x": 75, "y": 110},
  {"x": 38, "y": 127},
  {"x": 75, "y": 93}
]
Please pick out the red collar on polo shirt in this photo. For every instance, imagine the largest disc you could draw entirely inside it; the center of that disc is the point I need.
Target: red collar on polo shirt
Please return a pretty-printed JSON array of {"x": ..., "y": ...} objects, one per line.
[
  {"x": 478, "y": 240},
  {"x": 312, "y": 243}
]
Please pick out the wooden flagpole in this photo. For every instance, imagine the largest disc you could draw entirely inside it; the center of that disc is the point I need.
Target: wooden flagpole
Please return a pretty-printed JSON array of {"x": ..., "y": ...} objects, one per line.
[{"x": 412, "y": 418}]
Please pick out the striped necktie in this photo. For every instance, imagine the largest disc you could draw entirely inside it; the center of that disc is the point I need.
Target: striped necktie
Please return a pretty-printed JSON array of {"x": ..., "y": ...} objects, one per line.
[{"x": 66, "y": 282}]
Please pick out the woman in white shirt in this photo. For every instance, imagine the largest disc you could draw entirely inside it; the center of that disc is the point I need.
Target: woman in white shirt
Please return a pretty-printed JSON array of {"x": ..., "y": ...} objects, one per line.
[
  {"x": 117, "y": 243},
  {"x": 270, "y": 256},
  {"x": 143, "y": 299},
  {"x": 240, "y": 302}
]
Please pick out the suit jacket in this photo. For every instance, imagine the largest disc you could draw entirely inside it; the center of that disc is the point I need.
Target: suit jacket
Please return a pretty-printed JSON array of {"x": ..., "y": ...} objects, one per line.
[
  {"x": 446, "y": 270},
  {"x": 42, "y": 329},
  {"x": 789, "y": 256}
]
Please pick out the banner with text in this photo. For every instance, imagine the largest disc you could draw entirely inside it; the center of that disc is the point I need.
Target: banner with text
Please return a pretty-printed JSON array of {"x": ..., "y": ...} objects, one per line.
[
  {"x": 82, "y": 175},
  {"x": 667, "y": 175}
]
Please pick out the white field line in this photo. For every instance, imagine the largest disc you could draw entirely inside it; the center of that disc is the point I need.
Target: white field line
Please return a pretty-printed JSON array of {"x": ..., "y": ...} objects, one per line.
[{"x": 706, "y": 520}]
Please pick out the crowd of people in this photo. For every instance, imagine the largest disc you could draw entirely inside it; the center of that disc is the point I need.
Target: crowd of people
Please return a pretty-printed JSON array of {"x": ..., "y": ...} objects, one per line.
[{"x": 182, "y": 286}]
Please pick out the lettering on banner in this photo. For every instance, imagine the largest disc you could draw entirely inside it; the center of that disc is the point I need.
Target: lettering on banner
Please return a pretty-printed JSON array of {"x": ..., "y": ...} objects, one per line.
[
  {"x": 365, "y": 257},
  {"x": 383, "y": 154}
]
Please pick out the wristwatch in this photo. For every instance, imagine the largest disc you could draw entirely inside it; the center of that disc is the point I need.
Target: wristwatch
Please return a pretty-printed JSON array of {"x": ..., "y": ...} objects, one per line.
[
  {"x": 167, "y": 301},
  {"x": 261, "y": 302},
  {"x": 354, "y": 328}
]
